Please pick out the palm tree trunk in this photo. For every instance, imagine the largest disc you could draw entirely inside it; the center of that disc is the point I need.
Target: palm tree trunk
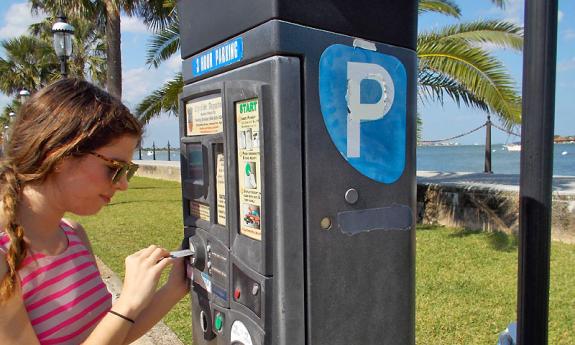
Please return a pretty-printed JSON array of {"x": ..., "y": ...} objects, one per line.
[{"x": 114, "y": 71}]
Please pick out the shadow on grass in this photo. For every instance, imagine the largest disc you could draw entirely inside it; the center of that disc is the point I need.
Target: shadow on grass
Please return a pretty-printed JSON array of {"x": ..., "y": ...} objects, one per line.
[
  {"x": 427, "y": 227},
  {"x": 497, "y": 240},
  {"x": 460, "y": 233},
  {"x": 502, "y": 242}
]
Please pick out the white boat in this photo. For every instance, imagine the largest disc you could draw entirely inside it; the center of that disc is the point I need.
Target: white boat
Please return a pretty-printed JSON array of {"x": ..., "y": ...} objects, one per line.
[{"x": 512, "y": 147}]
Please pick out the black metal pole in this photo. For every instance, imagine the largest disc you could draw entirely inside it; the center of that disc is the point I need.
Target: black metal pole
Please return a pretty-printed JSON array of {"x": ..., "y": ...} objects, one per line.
[
  {"x": 154, "y": 150},
  {"x": 539, "y": 63},
  {"x": 140, "y": 151},
  {"x": 64, "y": 66},
  {"x": 169, "y": 158},
  {"x": 487, "y": 168}
]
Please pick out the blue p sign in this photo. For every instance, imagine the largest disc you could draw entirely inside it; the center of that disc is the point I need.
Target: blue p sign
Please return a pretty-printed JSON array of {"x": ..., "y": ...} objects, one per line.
[{"x": 363, "y": 102}]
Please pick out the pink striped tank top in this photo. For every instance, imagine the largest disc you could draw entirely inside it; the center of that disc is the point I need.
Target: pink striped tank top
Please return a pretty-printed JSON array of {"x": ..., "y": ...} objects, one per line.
[{"x": 64, "y": 294}]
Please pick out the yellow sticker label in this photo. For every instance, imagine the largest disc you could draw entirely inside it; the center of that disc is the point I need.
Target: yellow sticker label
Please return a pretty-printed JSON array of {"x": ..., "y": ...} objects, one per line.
[
  {"x": 204, "y": 116},
  {"x": 249, "y": 168},
  {"x": 199, "y": 210}
]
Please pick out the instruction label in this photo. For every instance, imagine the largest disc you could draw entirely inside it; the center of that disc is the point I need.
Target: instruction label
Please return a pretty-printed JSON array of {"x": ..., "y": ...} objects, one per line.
[
  {"x": 204, "y": 116},
  {"x": 249, "y": 168},
  {"x": 221, "y": 188},
  {"x": 199, "y": 210}
]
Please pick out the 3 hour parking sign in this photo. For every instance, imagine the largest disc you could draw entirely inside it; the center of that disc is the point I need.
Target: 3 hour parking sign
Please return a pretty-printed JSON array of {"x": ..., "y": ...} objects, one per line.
[{"x": 363, "y": 98}]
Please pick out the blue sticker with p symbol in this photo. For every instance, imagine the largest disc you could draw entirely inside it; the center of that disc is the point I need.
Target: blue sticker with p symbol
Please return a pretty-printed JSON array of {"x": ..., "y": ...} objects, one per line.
[{"x": 363, "y": 99}]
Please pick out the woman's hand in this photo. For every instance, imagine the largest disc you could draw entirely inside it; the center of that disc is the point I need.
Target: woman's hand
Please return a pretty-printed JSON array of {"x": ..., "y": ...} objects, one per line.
[
  {"x": 143, "y": 271},
  {"x": 177, "y": 280}
]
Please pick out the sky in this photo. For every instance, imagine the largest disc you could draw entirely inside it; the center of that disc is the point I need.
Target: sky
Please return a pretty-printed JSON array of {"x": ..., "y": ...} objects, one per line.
[{"x": 139, "y": 80}]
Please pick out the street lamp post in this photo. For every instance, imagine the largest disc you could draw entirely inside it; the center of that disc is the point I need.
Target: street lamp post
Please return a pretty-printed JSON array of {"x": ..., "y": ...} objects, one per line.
[
  {"x": 23, "y": 95},
  {"x": 63, "y": 33},
  {"x": 488, "y": 146}
]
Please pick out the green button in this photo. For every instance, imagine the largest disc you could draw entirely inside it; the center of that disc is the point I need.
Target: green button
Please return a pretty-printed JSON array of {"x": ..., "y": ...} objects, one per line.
[{"x": 219, "y": 322}]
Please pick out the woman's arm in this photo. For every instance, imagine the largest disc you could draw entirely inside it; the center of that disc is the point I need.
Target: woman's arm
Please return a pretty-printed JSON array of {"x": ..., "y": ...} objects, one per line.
[
  {"x": 15, "y": 326},
  {"x": 143, "y": 270},
  {"x": 164, "y": 300}
]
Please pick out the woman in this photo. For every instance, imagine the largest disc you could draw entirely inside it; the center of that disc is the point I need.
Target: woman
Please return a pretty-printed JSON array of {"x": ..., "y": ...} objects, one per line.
[{"x": 70, "y": 151}]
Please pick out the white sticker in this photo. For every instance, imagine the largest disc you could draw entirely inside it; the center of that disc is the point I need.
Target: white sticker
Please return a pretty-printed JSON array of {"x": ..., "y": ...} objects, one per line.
[
  {"x": 207, "y": 282},
  {"x": 240, "y": 334}
]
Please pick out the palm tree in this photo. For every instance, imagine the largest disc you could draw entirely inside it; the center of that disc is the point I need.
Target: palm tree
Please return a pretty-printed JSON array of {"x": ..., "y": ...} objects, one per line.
[
  {"x": 106, "y": 16},
  {"x": 452, "y": 62},
  {"x": 30, "y": 64}
]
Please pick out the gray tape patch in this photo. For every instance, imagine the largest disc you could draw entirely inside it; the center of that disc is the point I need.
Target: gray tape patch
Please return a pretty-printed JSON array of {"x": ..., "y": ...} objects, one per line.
[{"x": 394, "y": 217}]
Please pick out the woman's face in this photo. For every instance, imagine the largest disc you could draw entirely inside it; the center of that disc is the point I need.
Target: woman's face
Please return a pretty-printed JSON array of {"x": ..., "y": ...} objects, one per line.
[{"x": 84, "y": 185}]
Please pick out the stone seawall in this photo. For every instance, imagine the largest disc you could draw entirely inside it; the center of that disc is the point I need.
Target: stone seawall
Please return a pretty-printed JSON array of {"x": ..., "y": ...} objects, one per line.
[
  {"x": 164, "y": 170},
  {"x": 487, "y": 209},
  {"x": 471, "y": 201}
]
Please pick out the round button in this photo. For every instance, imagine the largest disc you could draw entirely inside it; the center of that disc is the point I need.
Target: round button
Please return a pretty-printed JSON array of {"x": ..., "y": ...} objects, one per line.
[
  {"x": 237, "y": 294},
  {"x": 255, "y": 289},
  {"x": 351, "y": 196},
  {"x": 219, "y": 322}
]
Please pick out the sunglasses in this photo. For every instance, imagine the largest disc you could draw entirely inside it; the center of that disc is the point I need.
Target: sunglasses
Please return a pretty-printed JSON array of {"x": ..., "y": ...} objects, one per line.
[{"x": 122, "y": 168}]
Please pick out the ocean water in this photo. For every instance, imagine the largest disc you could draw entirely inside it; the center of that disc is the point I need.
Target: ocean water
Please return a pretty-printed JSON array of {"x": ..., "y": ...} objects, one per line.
[
  {"x": 471, "y": 158},
  {"x": 460, "y": 158}
]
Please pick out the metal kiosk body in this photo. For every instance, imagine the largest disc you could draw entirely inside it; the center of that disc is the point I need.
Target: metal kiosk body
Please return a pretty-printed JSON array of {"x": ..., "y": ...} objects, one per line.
[{"x": 297, "y": 128}]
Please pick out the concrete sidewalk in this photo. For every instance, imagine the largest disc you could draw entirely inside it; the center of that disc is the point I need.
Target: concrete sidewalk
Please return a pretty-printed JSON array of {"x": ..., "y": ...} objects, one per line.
[{"x": 160, "y": 334}]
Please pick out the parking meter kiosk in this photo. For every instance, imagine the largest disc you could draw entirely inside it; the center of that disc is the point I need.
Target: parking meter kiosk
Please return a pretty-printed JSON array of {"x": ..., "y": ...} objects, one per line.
[{"x": 297, "y": 125}]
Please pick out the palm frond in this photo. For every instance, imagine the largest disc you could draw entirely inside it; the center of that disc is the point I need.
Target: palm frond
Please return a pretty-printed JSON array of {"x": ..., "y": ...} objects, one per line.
[
  {"x": 434, "y": 87},
  {"x": 446, "y": 7},
  {"x": 476, "y": 71},
  {"x": 163, "y": 44},
  {"x": 499, "y": 3},
  {"x": 492, "y": 32},
  {"x": 156, "y": 14},
  {"x": 163, "y": 100}
]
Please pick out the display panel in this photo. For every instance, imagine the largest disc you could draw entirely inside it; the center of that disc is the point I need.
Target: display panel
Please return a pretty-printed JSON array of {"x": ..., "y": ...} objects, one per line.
[
  {"x": 204, "y": 115},
  {"x": 249, "y": 168},
  {"x": 195, "y": 163}
]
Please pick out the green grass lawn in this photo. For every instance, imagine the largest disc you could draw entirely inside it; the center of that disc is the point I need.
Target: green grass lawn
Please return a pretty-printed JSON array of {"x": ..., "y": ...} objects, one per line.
[{"x": 466, "y": 280}]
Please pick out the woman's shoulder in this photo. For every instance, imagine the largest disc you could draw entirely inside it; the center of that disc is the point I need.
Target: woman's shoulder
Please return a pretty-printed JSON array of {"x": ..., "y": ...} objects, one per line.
[{"x": 78, "y": 229}]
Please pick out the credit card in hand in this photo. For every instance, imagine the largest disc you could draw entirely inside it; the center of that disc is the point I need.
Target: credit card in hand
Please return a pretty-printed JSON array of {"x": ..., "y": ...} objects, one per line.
[{"x": 182, "y": 253}]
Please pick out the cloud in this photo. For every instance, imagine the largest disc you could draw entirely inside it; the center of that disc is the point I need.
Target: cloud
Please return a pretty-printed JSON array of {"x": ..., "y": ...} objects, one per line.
[
  {"x": 513, "y": 11},
  {"x": 560, "y": 15},
  {"x": 174, "y": 64},
  {"x": 17, "y": 19},
  {"x": 133, "y": 25},
  {"x": 139, "y": 82}
]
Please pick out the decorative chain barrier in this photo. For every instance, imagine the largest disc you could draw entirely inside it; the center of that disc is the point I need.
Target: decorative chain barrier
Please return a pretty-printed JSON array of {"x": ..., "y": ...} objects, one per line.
[
  {"x": 505, "y": 130},
  {"x": 455, "y": 137},
  {"x": 469, "y": 132}
]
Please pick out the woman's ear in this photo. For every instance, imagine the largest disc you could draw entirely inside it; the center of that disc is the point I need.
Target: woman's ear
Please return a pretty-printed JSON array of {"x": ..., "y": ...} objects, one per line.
[{"x": 63, "y": 164}]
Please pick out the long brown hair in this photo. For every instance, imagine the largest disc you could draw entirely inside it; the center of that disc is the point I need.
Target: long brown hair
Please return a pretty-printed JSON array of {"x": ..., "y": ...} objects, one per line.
[{"x": 70, "y": 117}]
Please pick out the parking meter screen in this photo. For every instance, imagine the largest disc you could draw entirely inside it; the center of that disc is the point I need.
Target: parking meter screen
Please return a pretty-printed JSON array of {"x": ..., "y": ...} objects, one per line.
[
  {"x": 196, "y": 163},
  {"x": 249, "y": 167},
  {"x": 204, "y": 115}
]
